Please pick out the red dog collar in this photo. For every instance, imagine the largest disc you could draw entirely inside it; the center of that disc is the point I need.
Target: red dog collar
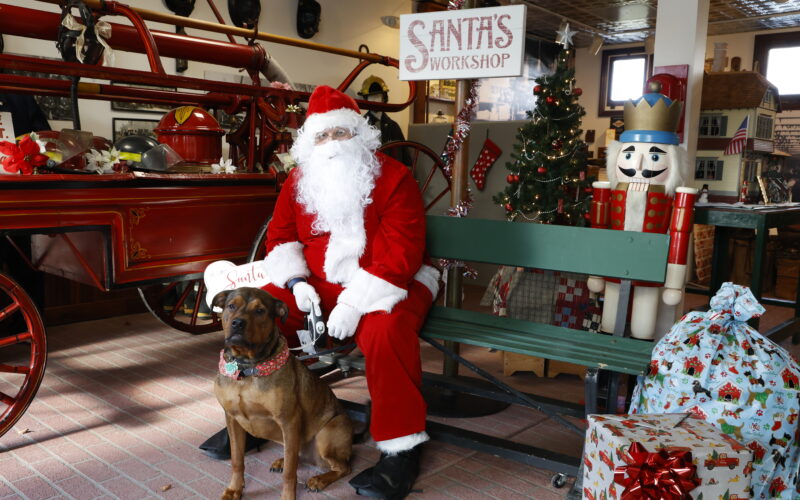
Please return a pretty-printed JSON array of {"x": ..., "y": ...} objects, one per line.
[{"x": 267, "y": 367}]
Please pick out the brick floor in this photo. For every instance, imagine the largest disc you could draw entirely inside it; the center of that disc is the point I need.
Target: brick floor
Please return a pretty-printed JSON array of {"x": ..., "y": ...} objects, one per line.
[{"x": 125, "y": 402}]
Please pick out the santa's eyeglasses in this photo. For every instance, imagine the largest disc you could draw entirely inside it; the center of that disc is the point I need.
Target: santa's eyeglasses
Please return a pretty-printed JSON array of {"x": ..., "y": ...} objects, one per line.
[{"x": 336, "y": 134}]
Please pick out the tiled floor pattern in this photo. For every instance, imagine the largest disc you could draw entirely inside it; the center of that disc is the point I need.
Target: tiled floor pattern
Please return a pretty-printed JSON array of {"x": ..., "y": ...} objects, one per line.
[{"x": 125, "y": 402}]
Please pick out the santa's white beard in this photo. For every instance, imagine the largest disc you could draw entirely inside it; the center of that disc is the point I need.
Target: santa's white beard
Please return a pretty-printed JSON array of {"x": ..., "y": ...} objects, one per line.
[{"x": 335, "y": 184}]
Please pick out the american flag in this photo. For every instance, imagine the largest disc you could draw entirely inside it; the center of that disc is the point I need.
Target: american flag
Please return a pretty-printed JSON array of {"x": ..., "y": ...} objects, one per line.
[{"x": 738, "y": 140}]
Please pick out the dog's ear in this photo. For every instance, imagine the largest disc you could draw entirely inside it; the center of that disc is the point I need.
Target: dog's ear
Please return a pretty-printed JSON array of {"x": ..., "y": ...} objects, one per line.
[
  {"x": 220, "y": 298},
  {"x": 280, "y": 310}
]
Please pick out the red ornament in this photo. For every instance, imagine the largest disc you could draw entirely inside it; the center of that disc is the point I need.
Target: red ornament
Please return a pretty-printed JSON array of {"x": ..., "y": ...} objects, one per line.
[
  {"x": 587, "y": 190},
  {"x": 537, "y": 89},
  {"x": 587, "y": 216},
  {"x": 508, "y": 207},
  {"x": 541, "y": 170},
  {"x": 550, "y": 99},
  {"x": 557, "y": 144},
  {"x": 577, "y": 91}
]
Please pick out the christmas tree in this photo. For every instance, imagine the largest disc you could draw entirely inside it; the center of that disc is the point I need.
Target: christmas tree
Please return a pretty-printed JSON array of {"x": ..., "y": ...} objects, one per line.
[{"x": 548, "y": 181}]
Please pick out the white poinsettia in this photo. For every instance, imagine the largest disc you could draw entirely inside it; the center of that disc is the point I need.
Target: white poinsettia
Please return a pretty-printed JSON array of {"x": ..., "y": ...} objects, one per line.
[
  {"x": 102, "y": 162},
  {"x": 224, "y": 166}
]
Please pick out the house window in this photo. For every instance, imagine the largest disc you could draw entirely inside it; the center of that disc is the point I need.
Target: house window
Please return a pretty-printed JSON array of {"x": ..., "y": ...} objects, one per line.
[
  {"x": 764, "y": 127},
  {"x": 713, "y": 125},
  {"x": 622, "y": 77},
  {"x": 776, "y": 58},
  {"x": 768, "y": 101},
  {"x": 750, "y": 171},
  {"x": 709, "y": 169}
]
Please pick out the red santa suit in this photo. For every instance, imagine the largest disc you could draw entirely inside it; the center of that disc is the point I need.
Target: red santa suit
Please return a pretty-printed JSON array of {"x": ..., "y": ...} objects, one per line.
[{"x": 379, "y": 272}]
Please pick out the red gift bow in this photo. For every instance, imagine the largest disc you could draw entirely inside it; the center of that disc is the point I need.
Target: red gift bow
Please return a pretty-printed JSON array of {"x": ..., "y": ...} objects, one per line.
[
  {"x": 22, "y": 157},
  {"x": 657, "y": 476}
]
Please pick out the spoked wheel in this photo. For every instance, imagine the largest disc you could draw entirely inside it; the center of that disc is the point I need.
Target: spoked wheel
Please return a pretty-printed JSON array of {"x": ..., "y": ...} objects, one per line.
[
  {"x": 426, "y": 166},
  {"x": 23, "y": 352},
  {"x": 182, "y": 306}
]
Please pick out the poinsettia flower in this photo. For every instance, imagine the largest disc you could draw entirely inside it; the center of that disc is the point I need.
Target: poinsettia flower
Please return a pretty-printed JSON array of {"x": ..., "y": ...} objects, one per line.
[
  {"x": 224, "y": 165},
  {"x": 22, "y": 157},
  {"x": 102, "y": 162}
]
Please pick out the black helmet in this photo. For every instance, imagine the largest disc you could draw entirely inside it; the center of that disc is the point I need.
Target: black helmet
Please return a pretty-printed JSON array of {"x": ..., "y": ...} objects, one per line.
[
  {"x": 132, "y": 147},
  {"x": 308, "y": 12},
  {"x": 244, "y": 13},
  {"x": 66, "y": 38},
  {"x": 180, "y": 7}
]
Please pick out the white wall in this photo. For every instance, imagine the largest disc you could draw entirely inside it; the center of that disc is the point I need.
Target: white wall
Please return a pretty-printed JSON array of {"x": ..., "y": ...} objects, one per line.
[{"x": 345, "y": 24}]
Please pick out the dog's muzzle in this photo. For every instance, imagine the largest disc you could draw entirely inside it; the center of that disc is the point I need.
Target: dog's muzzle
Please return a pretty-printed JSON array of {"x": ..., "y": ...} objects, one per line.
[{"x": 238, "y": 329}]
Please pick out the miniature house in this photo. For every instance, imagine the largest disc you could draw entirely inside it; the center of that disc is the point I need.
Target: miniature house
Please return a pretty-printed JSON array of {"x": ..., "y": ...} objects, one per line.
[{"x": 729, "y": 97}]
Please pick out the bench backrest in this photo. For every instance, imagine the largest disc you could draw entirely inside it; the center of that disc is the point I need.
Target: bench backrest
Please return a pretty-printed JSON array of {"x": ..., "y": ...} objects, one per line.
[{"x": 602, "y": 252}]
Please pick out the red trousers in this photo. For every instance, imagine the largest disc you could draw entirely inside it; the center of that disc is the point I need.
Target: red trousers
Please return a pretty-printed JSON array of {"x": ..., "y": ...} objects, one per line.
[{"x": 390, "y": 344}]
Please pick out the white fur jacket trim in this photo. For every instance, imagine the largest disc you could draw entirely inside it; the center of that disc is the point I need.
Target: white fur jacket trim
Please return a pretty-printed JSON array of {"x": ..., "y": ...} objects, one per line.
[
  {"x": 396, "y": 445},
  {"x": 344, "y": 250},
  {"x": 367, "y": 293},
  {"x": 284, "y": 262},
  {"x": 429, "y": 276}
]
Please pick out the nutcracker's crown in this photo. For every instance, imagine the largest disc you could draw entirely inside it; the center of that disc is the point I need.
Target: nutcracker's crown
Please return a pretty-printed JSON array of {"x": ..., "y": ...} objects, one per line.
[{"x": 652, "y": 118}]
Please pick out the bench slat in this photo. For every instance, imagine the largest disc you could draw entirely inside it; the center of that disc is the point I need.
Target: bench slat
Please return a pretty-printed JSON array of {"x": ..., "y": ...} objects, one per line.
[
  {"x": 548, "y": 341},
  {"x": 601, "y": 252}
]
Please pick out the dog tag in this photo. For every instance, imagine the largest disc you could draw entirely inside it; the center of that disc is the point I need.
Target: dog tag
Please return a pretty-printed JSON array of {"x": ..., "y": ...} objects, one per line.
[
  {"x": 231, "y": 367},
  {"x": 306, "y": 341}
]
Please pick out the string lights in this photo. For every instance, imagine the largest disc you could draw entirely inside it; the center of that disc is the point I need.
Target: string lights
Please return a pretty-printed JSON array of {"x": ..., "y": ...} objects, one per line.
[{"x": 547, "y": 182}]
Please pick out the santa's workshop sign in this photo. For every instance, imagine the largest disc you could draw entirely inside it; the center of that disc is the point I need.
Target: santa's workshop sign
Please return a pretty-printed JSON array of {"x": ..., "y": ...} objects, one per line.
[{"x": 457, "y": 44}]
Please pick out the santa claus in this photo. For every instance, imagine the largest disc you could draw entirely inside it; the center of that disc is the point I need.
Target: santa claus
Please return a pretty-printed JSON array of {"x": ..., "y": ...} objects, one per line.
[
  {"x": 348, "y": 232},
  {"x": 645, "y": 192}
]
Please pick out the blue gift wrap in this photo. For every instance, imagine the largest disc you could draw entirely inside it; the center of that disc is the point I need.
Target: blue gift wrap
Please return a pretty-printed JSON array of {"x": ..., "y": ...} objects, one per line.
[{"x": 716, "y": 366}]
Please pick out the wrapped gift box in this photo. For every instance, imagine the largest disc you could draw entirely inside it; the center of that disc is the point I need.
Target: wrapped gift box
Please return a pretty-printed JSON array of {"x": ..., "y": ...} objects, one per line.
[{"x": 723, "y": 464}]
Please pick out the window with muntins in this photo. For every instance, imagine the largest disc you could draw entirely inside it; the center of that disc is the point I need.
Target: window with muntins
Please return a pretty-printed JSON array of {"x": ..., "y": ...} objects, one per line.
[
  {"x": 713, "y": 125},
  {"x": 708, "y": 169},
  {"x": 764, "y": 127}
]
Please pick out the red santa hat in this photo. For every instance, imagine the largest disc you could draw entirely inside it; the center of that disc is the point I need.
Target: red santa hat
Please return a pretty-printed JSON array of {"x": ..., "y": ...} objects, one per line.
[{"x": 328, "y": 107}]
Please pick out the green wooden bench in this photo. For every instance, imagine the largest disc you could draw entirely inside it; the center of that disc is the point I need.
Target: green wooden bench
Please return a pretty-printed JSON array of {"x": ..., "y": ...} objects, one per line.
[{"x": 600, "y": 252}]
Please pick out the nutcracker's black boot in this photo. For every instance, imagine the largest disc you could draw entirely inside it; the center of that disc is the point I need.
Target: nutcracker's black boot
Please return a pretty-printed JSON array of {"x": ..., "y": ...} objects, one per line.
[
  {"x": 392, "y": 477},
  {"x": 218, "y": 446}
]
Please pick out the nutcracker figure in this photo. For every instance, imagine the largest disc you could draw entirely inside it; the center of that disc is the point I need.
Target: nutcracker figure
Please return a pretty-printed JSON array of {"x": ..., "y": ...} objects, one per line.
[{"x": 645, "y": 192}]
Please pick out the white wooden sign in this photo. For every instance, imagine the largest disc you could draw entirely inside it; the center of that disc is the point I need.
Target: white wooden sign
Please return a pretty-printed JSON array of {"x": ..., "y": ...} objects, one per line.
[
  {"x": 6, "y": 127},
  {"x": 464, "y": 43}
]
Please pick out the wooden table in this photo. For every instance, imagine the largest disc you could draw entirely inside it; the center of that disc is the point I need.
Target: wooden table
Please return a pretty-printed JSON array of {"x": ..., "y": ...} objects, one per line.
[{"x": 760, "y": 220}]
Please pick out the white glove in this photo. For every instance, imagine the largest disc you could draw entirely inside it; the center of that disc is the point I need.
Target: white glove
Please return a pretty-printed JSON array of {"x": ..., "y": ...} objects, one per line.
[
  {"x": 305, "y": 295},
  {"x": 343, "y": 321}
]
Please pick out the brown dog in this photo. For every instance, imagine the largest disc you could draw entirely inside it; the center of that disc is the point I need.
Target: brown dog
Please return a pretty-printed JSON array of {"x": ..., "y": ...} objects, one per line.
[{"x": 268, "y": 393}]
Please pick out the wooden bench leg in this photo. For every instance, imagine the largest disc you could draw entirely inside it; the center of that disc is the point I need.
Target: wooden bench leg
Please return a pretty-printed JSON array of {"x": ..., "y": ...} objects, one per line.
[{"x": 590, "y": 387}]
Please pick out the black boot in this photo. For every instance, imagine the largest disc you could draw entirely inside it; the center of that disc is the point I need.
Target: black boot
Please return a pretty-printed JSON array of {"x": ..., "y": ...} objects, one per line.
[
  {"x": 218, "y": 446},
  {"x": 392, "y": 477}
]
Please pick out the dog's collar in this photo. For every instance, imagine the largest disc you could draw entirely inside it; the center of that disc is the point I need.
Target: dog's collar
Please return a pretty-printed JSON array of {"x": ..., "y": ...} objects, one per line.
[{"x": 267, "y": 367}]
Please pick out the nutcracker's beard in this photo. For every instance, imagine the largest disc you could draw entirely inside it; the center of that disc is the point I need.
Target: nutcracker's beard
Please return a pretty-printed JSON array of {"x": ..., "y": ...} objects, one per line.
[{"x": 335, "y": 184}]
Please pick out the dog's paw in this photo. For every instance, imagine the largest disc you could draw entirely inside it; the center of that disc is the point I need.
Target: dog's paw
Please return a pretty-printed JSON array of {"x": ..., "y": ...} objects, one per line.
[
  {"x": 277, "y": 466},
  {"x": 230, "y": 494},
  {"x": 315, "y": 485}
]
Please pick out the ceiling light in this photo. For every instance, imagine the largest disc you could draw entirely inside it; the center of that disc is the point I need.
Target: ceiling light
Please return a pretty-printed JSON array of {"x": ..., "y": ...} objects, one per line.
[{"x": 391, "y": 21}]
